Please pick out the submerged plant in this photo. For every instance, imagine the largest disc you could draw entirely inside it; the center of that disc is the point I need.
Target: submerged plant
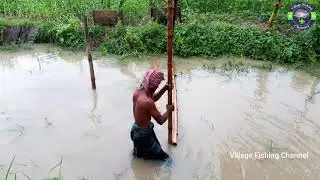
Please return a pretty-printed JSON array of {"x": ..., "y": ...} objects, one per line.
[
  {"x": 233, "y": 64},
  {"x": 265, "y": 66},
  {"x": 9, "y": 169},
  {"x": 58, "y": 165}
]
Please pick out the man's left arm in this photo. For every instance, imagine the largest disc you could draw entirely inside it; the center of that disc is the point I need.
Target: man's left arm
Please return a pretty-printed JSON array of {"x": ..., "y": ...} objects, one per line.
[{"x": 158, "y": 95}]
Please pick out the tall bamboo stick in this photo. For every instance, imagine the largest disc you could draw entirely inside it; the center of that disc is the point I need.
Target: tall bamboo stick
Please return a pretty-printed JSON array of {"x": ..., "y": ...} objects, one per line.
[
  {"x": 169, "y": 63},
  {"x": 86, "y": 37},
  {"x": 175, "y": 112}
]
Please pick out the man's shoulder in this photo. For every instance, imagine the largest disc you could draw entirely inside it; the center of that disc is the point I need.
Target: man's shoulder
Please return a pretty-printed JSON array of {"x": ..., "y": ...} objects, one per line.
[
  {"x": 143, "y": 99},
  {"x": 149, "y": 100},
  {"x": 136, "y": 93}
]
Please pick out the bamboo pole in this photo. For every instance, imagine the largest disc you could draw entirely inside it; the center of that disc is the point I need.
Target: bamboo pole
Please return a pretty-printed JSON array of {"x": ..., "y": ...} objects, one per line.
[
  {"x": 274, "y": 13},
  {"x": 175, "y": 112},
  {"x": 86, "y": 37},
  {"x": 169, "y": 63}
]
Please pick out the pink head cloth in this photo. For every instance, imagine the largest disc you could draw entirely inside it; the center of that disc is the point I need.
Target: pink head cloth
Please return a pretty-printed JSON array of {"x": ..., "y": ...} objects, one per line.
[{"x": 152, "y": 79}]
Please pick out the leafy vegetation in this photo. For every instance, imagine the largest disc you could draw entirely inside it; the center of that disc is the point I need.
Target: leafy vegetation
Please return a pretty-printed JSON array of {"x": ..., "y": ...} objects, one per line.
[
  {"x": 241, "y": 6},
  {"x": 214, "y": 40},
  {"x": 210, "y": 29}
]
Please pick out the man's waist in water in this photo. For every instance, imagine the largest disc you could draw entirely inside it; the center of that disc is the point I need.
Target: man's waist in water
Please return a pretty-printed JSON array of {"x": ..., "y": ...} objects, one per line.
[{"x": 147, "y": 126}]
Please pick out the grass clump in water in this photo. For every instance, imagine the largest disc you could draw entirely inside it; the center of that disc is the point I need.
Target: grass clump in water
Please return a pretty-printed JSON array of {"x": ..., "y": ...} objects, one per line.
[
  {"x": 233, "y": 64},
  {"x": 60, "y": 177},
  {"x": 15, "y": 47},
  {"x": 9, "y": 169},
  {"x": 268, "y": 66}
]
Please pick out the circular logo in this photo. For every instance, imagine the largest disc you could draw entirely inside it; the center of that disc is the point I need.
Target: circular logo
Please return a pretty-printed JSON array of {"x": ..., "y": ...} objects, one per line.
[{"x": 301, "y": 16}]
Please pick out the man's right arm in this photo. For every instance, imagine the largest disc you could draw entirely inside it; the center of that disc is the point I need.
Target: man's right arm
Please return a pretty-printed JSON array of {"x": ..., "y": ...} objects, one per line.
[{"x": 161, "y": 119}]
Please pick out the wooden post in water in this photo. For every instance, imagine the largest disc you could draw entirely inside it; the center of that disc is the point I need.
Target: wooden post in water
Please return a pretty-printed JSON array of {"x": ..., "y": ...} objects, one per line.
[
  {"x": 171, "y": 135},
  {"x": 86, "y": 37},
  {"x": 274, "y": 13}
]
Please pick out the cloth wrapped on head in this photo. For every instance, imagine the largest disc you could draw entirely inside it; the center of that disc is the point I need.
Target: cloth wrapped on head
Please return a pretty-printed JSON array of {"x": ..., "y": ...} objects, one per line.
[{"x": 152, "y": 79}]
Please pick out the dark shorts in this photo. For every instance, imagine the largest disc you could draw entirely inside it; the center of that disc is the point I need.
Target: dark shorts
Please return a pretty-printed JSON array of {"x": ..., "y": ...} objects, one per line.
[{"x": 146, "y": 144}]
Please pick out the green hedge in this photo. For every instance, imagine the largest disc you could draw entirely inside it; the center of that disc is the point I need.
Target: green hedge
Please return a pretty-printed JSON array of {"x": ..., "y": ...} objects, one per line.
[
  {"x": 143, "y": 39},
  {"x": 242, "y": 6},
  {"x": 317, "y": 39},
  {"x": 193, "y": 39},
  {"x": 214, "y": 40},
  {"x": 70, "y": 34}
]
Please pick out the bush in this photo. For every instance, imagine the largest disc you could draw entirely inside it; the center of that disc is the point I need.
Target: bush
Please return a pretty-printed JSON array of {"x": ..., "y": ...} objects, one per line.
[
  {"x": 214, "y": 40},
  {"x": 241, "y": 6},
  {"x": 193, "y": 39},
  {"x": 69, "y": 34},
  {"x": 150, "y": 38},
  {"x": 316, "y": 34}
]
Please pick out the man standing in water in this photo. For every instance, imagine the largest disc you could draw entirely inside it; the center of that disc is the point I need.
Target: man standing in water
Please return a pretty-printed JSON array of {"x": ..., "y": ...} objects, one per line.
[{"x": 146, "y": 144}]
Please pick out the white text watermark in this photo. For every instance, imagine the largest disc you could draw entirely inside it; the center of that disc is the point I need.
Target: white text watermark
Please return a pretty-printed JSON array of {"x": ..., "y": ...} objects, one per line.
[{"x": 269, "y": 155}]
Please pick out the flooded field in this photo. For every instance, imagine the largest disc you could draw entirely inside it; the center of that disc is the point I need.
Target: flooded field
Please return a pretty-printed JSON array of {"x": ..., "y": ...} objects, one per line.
[{"x": 48, "y": 110}]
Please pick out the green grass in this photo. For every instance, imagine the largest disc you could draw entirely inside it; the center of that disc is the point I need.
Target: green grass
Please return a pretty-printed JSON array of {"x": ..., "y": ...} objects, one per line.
[
  {"x": 16, "y": 47},
  {"x": 214, "y": 40},
  {"x": 9, "y": 169},
  {"x": 212, "y": 29},
  {"x": 242, "y": 6},
  {"x": 268, "y": 66},
  {"x": 64, "y": 9},
  {"x": 58, "y": 165}
]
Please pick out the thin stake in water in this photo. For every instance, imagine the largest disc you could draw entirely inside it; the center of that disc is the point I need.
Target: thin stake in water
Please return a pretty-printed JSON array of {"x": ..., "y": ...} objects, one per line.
[{"x": 86, "y": 37}]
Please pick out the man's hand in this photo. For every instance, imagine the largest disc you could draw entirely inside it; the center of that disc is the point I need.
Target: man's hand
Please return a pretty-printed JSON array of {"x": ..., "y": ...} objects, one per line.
[{"x": 170, "y": 107}]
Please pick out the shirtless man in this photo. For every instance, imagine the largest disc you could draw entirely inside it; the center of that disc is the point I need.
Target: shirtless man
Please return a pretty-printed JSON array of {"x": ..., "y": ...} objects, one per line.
[{"x": 146, "y": 144}]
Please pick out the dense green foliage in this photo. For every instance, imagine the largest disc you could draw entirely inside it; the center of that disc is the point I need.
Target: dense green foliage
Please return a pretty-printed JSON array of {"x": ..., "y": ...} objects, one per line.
[
  {"x": 241, "y": 6},
  {"x": 316, "y": 31},
  {"x": 64, "y": 9},
  {"x": 69, "y": 34},
  {"x": 214, "y": 40},
  {"x": 212, "y": 28}
]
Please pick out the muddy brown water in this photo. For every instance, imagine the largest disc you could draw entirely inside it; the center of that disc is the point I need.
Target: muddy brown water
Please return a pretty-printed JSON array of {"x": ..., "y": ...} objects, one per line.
[{"x": 47, "y": 110}]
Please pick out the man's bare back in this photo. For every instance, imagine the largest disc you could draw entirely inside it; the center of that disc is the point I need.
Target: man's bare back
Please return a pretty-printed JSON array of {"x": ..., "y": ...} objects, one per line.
[{"x": 144, "y": 108}]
